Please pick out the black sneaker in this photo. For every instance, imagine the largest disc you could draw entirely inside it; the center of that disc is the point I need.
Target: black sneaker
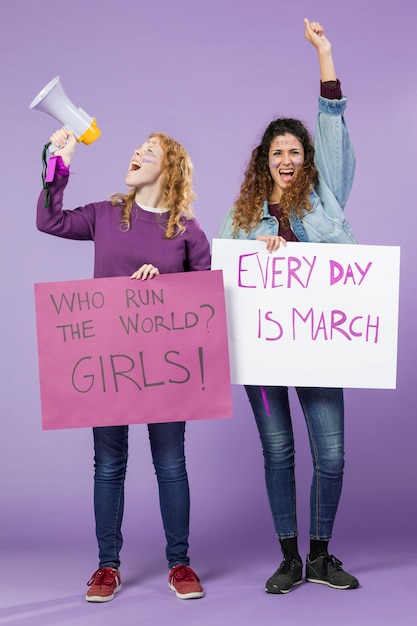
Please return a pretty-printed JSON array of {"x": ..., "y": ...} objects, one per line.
[
  {"x": 327, "y": 570},
  {"x": 289, "y": 574}
]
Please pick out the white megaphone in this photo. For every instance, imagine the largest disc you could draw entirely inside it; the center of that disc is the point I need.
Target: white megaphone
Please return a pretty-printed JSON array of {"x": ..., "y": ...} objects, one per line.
[{"x": 54, "y": 101}]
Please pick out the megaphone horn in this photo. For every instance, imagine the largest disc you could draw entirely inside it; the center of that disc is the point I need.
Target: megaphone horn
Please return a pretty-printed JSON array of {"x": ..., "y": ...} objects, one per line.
[{"x": 53, "y": 100}]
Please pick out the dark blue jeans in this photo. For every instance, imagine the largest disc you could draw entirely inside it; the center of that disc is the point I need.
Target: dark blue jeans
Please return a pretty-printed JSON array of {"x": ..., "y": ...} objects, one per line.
[
  {"x": 111, "y": 453},
  {"x": 324, "y": 415}
]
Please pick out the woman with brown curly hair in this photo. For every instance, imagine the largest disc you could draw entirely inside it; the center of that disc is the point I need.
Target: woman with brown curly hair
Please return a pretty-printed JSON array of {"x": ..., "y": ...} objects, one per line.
[
  {"x": 296, "y": 190},
  {"x": 149, "y": 230}
]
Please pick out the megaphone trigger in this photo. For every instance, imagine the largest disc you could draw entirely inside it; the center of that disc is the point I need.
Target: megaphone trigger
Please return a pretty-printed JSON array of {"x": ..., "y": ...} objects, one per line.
[{"x": 53, "y": 148}]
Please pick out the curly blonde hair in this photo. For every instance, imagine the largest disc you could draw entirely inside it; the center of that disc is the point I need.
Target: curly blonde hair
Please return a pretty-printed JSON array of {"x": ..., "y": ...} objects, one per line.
[
  {"x": 257, "y": 184},
  {"x": 176, "y": 185}
]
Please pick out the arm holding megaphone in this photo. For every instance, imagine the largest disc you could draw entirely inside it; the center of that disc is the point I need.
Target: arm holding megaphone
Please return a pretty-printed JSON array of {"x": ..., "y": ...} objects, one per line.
[{"x": 65, "y": 142}]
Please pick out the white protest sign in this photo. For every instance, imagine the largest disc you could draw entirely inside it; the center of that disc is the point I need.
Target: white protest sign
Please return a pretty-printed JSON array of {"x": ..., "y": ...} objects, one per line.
[{"x": 322, "y": 315}]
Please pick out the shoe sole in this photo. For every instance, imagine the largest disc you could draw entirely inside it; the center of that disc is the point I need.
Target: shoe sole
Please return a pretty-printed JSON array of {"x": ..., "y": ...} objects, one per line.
[
  {"x": 103, "y": 598},
  {"x": 326, "y": 582},
  {"x": 280, "y": 591},
  {"x": 193, "y": 595}
]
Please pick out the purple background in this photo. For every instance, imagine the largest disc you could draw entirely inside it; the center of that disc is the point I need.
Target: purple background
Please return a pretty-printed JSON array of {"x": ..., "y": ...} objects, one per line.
[{"x": 212, "y": 75}]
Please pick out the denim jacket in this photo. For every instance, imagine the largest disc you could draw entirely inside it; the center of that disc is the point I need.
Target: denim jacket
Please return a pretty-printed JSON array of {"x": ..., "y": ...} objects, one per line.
[{"x": 335, "y": 162}]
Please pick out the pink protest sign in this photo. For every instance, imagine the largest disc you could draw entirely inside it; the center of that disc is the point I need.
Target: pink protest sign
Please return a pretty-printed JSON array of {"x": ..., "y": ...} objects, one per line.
[{"x": 120, "y": 351}]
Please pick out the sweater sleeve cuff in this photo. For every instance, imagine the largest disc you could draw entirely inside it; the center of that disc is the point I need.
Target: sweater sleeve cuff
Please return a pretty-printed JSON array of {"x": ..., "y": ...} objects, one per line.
[
  {"x": 55, "y": 166},
  {"x": 331, "y": 90}
]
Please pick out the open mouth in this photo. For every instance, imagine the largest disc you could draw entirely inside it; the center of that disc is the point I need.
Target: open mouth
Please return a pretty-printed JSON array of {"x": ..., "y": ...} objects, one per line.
[
  {"x": 134, "y": 165},
  {"x": 286, "y": 175}
]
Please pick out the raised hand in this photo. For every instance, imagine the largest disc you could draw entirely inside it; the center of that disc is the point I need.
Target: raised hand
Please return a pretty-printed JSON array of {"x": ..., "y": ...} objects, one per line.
[
  {"x": 314, "y": 33},
  {"x": 65, "y": 140}
]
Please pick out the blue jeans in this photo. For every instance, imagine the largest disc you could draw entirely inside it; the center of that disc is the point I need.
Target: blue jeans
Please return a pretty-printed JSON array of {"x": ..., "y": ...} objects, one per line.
[
  {"x": 111, "y": 453},
  {"x": 324, "y": 415}
]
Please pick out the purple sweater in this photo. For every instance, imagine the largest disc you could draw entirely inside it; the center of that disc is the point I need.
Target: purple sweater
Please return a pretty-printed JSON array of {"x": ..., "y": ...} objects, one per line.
[{"x": 120, "y": 253}]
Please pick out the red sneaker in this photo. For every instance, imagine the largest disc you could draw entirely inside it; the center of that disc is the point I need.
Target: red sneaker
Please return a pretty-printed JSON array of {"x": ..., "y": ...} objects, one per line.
[
  {"x": 104, "y": 583},
  {"x": 185, "y": 582}
]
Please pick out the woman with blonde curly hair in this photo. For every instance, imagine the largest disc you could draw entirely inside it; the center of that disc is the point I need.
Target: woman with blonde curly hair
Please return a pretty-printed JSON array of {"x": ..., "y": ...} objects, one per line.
[
  {"x": 148, "y": 231},
  {"x": 295, "y": 189},
  {"x": 176, "y": 186}
]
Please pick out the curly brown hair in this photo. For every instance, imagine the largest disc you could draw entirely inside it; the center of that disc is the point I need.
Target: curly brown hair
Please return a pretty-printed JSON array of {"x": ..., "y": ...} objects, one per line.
[
  {"x": 176, "y": 185},
  {"x": 257, "y": 184}
]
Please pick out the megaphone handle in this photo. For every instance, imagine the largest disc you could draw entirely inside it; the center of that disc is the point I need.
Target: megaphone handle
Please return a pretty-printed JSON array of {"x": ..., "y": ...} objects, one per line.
[{"x": 53, "y": 148}]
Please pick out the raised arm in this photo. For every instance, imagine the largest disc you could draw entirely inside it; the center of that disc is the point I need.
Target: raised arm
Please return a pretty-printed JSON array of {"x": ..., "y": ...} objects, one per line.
[
  {"x": 334, "y": 153},
  {"x": 314, "y": 33},
  {"x": 51, "y": 217}
]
